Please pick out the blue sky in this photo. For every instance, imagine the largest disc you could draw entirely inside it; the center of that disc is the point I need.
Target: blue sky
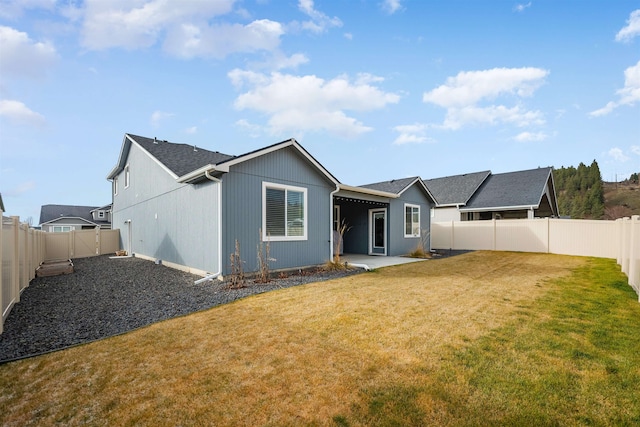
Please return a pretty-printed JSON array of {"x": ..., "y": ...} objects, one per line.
[{"x": 375, "y": 90}]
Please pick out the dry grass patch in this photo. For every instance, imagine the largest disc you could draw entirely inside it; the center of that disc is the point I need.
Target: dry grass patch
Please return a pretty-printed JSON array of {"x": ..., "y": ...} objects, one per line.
[{"x": 381, "y": 348}]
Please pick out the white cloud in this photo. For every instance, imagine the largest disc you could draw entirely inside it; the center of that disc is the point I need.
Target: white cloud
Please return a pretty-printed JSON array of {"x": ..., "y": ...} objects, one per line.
[
  {"x": 184, "y": 31},
  {"x": 618, "y": 155},
  {"x": 521, "y": 7},
  {"x": 159, "y": 116},
  {"x": 469, "y": 87},
  {"x": 319, "y": 22},
  {"x": 460, "y": 96},
  {"x": 348, "y": 36},
  {"x": 189, "y": 40},
  {"x": 628, "y": 95},
  {"x": 391, "y": 6},
  {"x": 412, "y": 134},
  {"x": 635, "y": 149},
  {"x": 192, "y": 130},
  {"x": 17, "y": 112},
  {"x": 309, "y": 103},
  {"x": 632, "y": 29},
  {"x": 531, "y": 136},
  {"x": 22, "y": 56}
]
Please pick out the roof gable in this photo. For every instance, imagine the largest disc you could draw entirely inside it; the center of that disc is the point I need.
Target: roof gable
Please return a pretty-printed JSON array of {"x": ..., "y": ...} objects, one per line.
[
  {"x": 180, "y": 159},
  {"x": 456, "y": 189},
  {"x": 512, "y": 189},
  {"x": 399, "y": 186},
  {"x": 50, "y": 213}
]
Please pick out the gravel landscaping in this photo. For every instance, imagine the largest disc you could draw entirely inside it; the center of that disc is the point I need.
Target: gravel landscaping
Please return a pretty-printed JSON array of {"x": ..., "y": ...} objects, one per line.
[{"x": 106, "y": 297}]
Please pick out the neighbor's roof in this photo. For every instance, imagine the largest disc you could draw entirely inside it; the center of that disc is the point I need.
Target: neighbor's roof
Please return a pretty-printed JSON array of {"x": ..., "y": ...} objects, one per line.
[
  {"x": 180, "y": 158},
  {"x": 398, "y": 186},
  {"x": 50, "y": 213},
  {"x": 456, "y": 189},
  {"x": 511, "y": 190}
]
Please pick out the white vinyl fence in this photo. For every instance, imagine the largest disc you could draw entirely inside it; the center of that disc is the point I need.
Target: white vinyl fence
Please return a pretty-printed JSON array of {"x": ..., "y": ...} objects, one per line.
[
  {"x": 23, "y": 249},
  {"x": 619, "y": 240}
]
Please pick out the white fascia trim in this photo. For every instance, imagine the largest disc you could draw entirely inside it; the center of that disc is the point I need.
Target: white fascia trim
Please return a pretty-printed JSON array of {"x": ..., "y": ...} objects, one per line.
[
  {"x": 126, "y": 143},
  {"x": 424, "y": 187},
  {"x": 368, "y": 191},
  {"x": 203, "y": 171}
]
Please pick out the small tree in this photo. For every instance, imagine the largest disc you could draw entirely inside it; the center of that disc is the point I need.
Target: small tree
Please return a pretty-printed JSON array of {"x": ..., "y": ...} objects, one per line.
[
  {"x": 342, "y": 230},
  {"x": 422, "y": 247},
  {"x": 237, "y": 279},
  {"x": 263, "y": 259}
]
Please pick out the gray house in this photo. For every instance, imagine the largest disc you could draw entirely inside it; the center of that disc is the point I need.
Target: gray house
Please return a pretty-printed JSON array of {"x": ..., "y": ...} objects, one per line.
[
  {"x": 188, "y": 207},
  {"x": 60, "y": 218},
  {"x": 483, "y": 195}
]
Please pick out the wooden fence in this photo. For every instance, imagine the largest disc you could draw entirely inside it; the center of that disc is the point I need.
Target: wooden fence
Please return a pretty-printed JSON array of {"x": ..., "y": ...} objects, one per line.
[
  {"x": 23, "y": 249},
  {"x": 619, "y": 240}
]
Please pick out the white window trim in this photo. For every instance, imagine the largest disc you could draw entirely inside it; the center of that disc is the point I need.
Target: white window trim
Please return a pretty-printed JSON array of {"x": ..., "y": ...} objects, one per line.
[
  {"x": 411, "y": 236},
  {"x": 62, "y": 228},
  {"x": 127, "y": 177},
  {"x": 265, "y": 236},
  {"x": 115, "y": 186}
]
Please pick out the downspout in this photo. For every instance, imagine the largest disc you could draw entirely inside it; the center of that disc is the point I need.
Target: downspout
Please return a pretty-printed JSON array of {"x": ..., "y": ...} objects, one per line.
[
  {"x": 214, "y": 275},
  {"x": 333, "y": 193}
]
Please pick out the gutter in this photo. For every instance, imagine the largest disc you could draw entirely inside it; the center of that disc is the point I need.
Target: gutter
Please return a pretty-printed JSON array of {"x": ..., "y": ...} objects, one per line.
[{"x": 219, "y": 272}]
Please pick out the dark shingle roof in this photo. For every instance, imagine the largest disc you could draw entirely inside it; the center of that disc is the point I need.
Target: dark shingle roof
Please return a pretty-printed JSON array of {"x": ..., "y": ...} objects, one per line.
[
  {"x": 394, "y": 186},
  {"x": 522, "y": 188},
  {"x": 456, "y": 189},
  {"x": 51, "y": 212},
  {"x": 180, "y": 158}
]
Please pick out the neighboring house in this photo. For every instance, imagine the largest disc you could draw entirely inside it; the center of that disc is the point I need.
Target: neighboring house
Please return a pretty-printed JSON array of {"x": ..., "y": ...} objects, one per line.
[
  {"x": 483, "y": 195},
  {"x": 60, "y": 218},
  {"x": 188, "y": 206}
]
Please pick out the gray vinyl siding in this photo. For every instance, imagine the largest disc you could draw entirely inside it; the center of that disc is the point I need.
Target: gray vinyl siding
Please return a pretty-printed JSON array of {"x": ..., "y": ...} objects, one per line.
[
  {"x": 169, "y": 221},
  {"x": 242, "y": 211},
  {"x": 398, "y": 244}
]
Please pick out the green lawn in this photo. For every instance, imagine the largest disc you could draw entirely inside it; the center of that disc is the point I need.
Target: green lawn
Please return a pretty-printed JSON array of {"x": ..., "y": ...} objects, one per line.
[{"x": 486, "y": 338}]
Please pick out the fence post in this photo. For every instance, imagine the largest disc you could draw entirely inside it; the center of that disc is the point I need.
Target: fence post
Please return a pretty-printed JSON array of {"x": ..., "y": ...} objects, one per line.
[
  {"x": 495, "y": 232},
  {"x": 15, "y": 265},
  {"x": 634, "y": 255},
  {"x": 1, "y": 282}
]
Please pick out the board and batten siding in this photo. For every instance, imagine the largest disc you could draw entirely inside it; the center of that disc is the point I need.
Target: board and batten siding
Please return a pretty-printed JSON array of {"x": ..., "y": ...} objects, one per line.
[
  {"x": 398, "y": 244},
  {"x": 171, "y": 222},
  {"x": 242, "y": 211}
]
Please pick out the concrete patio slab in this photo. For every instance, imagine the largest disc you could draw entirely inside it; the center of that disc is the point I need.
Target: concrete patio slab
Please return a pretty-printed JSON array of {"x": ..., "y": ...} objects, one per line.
[{"x": 377, "y": 261}]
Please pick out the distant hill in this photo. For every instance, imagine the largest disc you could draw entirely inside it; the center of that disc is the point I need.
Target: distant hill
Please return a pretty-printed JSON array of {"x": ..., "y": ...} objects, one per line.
[
  {"x": 583, "y": 195},
  {"x": 621, "y": 199}
]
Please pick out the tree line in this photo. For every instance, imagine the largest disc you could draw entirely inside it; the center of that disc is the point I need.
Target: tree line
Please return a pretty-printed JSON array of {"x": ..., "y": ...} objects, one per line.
[{"x": 580, "y": 191}]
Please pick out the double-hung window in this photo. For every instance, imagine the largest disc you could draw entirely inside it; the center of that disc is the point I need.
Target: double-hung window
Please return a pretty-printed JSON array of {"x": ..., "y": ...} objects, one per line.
[
  {"x": 411, "y": 220},
  {"x": 284, "y": 212}
]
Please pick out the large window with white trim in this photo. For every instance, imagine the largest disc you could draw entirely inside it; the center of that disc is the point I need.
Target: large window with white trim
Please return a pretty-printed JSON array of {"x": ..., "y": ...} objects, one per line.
[
  {"x": 284, "y": 212},
  {"x": 411, "y": 220},
  {"x": 60, "y": 228}
]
